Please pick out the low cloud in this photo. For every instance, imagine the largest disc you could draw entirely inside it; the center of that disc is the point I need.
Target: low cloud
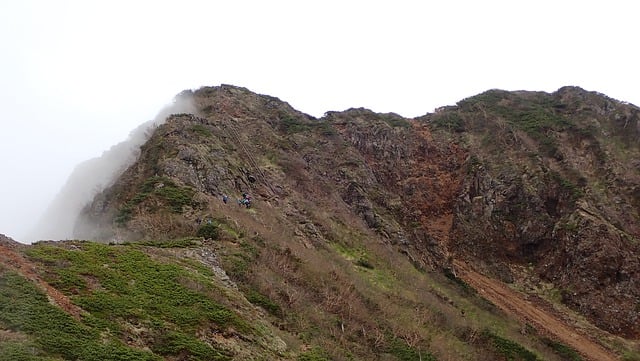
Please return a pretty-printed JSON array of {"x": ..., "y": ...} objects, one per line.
[{"x": 94, "y": 175}]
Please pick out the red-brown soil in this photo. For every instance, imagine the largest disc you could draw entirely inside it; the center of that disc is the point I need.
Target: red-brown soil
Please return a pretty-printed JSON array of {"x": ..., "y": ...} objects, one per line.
[
  {"x": 14, "y": 261},
  {"x": 545, "y": 321}
]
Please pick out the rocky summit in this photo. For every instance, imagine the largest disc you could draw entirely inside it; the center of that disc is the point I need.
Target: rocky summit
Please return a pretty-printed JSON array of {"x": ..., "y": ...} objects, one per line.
[{"x": 505, "y": 227}]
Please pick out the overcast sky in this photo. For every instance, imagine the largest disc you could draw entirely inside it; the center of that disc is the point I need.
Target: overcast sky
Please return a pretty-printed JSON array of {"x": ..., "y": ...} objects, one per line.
[{"x": 77, "y": 76}]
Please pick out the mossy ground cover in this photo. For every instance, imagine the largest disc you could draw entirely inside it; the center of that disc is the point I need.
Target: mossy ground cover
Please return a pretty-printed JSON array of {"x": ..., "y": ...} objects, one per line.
[
  {"x": 237, "y": 261},
  {"x": 187, "y": 242},
  {"x": 121, "y": 285},
  {"x": 535, "y": 115},
  {"x": 22, "y": 351},
  {"x": 174, "y": 196},
  {"x": 511, "y": 350},
  {"x": 24, "y": 308},
  {"x": 404, "y": 352},
  {"x": 258, "y": 299},
  {"x": 291, "y": 125},
  {"x": 314, "y": 354},
  {"x": 563, "y": 350}
]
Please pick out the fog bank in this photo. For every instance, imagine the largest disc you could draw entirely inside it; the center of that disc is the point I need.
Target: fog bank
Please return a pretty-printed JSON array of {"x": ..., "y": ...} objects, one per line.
[{"x": 94, "y": 175}]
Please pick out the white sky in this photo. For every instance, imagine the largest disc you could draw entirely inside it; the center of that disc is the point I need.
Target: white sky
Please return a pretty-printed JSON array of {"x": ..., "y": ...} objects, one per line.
[{"x": 77, "y": 76}]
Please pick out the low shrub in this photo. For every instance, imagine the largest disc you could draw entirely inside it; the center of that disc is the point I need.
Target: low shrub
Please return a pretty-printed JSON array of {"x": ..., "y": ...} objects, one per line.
[
  {"x": 563, "y": 350},
  {"x": 511, "y": 350},
  {"x": 172, "y": 243},
  {"x": 263, "y": 301},
  {"x": 209, "y": 231},
  {"x": 404, "y": 352},
  {"x": 314, "y": 354},
  {"x": 129, "y": 285},
  {"x": 24, "y": 308},
  {"x": 176, "y": 344},
  {"x": 174, "y": 196},
  {"x": 201, "y": 130}
]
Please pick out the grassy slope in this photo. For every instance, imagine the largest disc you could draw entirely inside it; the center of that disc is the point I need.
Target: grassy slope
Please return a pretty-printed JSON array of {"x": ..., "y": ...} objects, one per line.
[
  {"x": 163, "y": 302},
  {"x": 133, "y": 302}
]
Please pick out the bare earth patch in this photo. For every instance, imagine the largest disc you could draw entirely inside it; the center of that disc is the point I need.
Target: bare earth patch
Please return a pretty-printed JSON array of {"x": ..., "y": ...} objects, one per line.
[
  {"x": 546, "y": 322},
  {"x": 16, "y": 262}
]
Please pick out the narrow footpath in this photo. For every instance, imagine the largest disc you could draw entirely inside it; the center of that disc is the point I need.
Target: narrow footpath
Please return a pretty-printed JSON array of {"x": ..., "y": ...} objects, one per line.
[{"x": 514, "y": 304}]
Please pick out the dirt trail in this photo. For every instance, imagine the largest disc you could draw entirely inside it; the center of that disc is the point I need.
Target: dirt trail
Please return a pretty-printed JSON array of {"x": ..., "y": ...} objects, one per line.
[
  {"x": 13, "y": 260},
  {"x": 516, "y": 305}
]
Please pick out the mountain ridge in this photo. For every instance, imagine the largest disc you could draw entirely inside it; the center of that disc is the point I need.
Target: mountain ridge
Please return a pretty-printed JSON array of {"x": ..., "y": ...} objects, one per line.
[{"x": 352, "y": 209}]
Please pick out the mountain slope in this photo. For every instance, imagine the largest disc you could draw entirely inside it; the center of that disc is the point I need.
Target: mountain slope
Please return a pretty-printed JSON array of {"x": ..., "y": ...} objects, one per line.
[
  {"x": 124, "y": 303},
  {"x": 552, "y": 185},
  {"x": 368, "y": 233},
  {"x": 94, "y": 175}
]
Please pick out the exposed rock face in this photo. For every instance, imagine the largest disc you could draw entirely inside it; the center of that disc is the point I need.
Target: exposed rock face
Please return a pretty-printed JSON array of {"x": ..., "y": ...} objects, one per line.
[
  {"x": 551, "y": 183},
  {"x": 502, "y": 179}
]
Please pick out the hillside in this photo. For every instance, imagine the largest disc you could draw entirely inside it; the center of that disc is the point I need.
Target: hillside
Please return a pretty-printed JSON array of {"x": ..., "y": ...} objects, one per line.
[{"x": 502, "y": 228}]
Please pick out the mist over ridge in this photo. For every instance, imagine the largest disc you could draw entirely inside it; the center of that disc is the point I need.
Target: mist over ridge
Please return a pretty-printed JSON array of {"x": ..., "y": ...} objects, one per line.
[{"x": 94, "y": 175}]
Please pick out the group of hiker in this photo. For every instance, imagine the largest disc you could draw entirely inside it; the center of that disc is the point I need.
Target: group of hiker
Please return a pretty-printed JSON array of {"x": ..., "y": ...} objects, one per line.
[{"x": 244, "y": 201}]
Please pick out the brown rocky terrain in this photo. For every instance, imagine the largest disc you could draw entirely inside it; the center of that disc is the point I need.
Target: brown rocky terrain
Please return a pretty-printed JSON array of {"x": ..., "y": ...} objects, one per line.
[
  {"x": 552, "y": 185},
  {"x": 529, "y": 198}
]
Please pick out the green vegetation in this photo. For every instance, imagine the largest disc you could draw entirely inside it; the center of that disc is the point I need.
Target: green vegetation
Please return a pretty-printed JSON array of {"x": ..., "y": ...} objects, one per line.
[
  {"x": 563, "y": 350},
  {"x": 325, "y": 128},
  {"x": 177, "y": 343},
  {"x": 631, "y": 356},
  {"x": 395, "y": 121},
  {"x": 21, "y": 351},
  {"x": 509, "y": 349},
  {"x": 535, "y": 119},
  {"x": 363, "y": 261},
  {"x": 201, "y": 130},
  {"x": 26, "y": 309},
  {"x": 404, "y": 352},
  {"x": 572, "y": 189},
  {"x": 450, "y": 121},
  {"x": 464, "y": 286},
  {"x": 162, "y": 188},
  {"x": 209, "y": 230},
  {"x": 263, "y": 301},
  {"x": 348, "y": 252},
  {"x": 209, "y": 109},
  {"x": 535, "y": 114},
  {"x": 237, "y": 263},
  {"x": 291, "y": 125},
  {"x": 356, "y": 255},
  {"x": 314, "y": 354},
  {"x": 124, "y": 215},
  {"x": 120, "y": 284},
  {"x": 474, "y": 164},
  {"x": 172, "y": 243},
  {"x": 489, "y": 98},
  {"x": 152, "y": 152}
]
